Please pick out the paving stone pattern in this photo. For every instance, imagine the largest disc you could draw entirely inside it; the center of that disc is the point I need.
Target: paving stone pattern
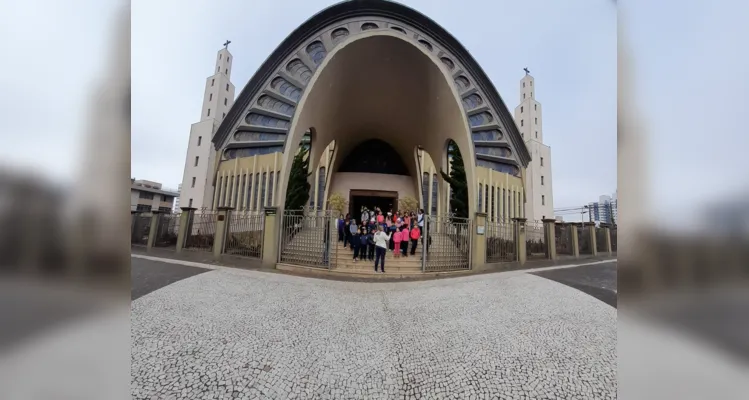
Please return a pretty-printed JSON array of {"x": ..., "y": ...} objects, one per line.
[{"x": 233, "y": 334}]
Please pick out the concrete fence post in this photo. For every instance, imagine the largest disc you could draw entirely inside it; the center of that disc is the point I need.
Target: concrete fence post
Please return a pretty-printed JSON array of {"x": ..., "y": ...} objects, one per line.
[
  {"x": 478, "y": 251},
  {"x": 185, "y": 226},
  {"x": 271, "y": 227},
  {"x": 591, "y": 226},
  {"x": 222, "y": 227},
  {"x": 550, "y": 238},
  {"x": 153, "y": 229},
  {"x": 520, "y": 240},
  {"x": 575, "y": 240}
]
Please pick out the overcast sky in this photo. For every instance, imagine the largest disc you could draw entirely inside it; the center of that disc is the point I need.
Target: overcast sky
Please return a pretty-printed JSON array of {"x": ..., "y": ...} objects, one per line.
[{"x": 690, "y": 80}]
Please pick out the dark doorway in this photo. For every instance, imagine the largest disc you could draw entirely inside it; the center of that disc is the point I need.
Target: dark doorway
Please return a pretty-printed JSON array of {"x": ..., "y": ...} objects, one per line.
[
  {"x": 386, "y": 201},
  {"x": 374, "y": 156}
]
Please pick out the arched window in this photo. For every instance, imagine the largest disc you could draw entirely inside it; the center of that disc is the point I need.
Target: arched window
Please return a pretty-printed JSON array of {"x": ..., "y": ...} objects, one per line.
[
  {"x": 257, "y": 191},
  {"x": 425, "y": 190},
  {"x": 271, "y": 181},
  {"x": 263, "y": 200},
  {"x": 481, "y": 197},
  {"x": 434, "y": 194},
  {"x": 320, "y": 187}
]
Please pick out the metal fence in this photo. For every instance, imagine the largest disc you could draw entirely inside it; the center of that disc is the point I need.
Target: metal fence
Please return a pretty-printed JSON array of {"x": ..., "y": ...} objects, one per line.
[
  {"x": 201, "y": 230},
  {"x": 140, "y": 229},
  {"x": 447, "y": 246},
  {"x": 601, "y": 240},
  {"x": 167, "y": 230},
  {"x": 535, "y": 240},
  {"x": 563, "y": 239},
  {"x": 245, "y": 234},
  {"x": 306, "y": 238},
  {"x": 500, "y": 242},
  {"x": 583, "y": 240}
]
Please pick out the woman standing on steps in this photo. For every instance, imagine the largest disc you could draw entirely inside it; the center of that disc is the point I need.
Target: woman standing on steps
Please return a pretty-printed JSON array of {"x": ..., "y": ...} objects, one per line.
[
  {"x": 353, "y": 238},
  {"x": 381, "y": 244}
]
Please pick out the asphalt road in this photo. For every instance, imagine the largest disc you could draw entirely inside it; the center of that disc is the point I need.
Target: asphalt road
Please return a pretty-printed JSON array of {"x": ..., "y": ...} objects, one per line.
[
  {"x": 147, "y": 276},
  {"x": 597, "y": 280}
]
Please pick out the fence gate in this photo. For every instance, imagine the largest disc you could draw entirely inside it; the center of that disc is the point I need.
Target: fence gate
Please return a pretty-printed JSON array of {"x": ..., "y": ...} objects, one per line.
[
  {"x": 447, "y": 243},
  {"x": 167, "y": 230},
  {"x": 244, "y": 235},
  {"x": 500, "y": 241},
  {"x": 306, "y": 238}
]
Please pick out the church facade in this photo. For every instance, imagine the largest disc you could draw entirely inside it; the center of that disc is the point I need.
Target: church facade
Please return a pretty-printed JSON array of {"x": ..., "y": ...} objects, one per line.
[{"x": 377, "y": 91}]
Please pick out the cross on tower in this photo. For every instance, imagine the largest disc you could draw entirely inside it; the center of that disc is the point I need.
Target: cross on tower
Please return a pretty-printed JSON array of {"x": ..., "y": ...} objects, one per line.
[
  {"x": 526, "y": 70},
  {"x": 226, "y": 45}
]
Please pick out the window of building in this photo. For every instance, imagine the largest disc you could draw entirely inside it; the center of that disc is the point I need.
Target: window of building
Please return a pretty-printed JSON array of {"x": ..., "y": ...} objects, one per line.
[
  {"x": 531, "y": 94},
  {"x": 491, "y": 211},
  {"x": 223, "y": 115},
  {"x": 209, "y": 112},
  {"x": 200, "y": 140},
  {"x": 542, "y": 179},
  {"x": 536, "y": 119},
  {"x": 523, "y": 95},
  {"x": 523, "y": 84},
  {"x": 189, "y": 203},
  {"x": 542, "y": 161},
  {"x": 521, "y": 122},
  {"x": 320, "y": 187},
  {"x": 543, "y": 200},
  {"x": 213, "y": 81},
  {"x": 210, "y": 96},
  {"x": 271, "y": 183},
  {"x": 227, "y": 86},
  {"x": 165, "y": 209},
  {"x": 226, "y": 192},
  {"x": 225, "y": 100},
  {"x": 218, "y": 69},
  {"x": 196, "y": 160},
  {"x": 486, "y": 198},
  {"x": 228, "y": 59},
  {"x": 536, "y": 134},
  {"x": 247, "y": 190},
  {"x": 531, "y": 83},
  {"x": 146, "y": 195},
  {"x": 503, "y": 206},
  {"x": 481, "y": 196},
  {"x": 425, "y": 189},
  {"x": 535, "y": 107},
  {"x": 257, "y": 192},
  {"x": 226, "y": 71},
  {"x": 193, "y": 182},
  {"x": 434, "y": 194},
  {"x": 521, "y": 109},
  {"x": 143, "y": 207},
  {"x": 236, "y": 192},
  {"x": 263, "y": 199}
]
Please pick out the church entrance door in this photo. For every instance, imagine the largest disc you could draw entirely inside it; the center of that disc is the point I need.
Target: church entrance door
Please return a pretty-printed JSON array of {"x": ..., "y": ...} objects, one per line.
[{"x": 385, "y": 200}]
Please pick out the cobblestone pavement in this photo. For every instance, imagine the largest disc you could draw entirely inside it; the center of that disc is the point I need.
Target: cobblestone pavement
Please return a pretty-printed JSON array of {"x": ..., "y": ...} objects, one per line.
[{"x": 228, "y": 334}]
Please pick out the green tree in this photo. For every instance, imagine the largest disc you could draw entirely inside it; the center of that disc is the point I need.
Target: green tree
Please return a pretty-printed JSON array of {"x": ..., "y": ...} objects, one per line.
[
  {"x": 457, "y": 181},
  {"x": 298, "y": 190}
]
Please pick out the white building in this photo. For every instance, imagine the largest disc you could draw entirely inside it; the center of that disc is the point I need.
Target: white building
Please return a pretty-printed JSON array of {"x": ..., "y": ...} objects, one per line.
[
  {"x": 605, "y": 210},
  {"x": 176, "y": 199},
  {"x": 538, "y": 187},
  {"x": 197, "y": 184},
  {"x": 147, "y": 196}
]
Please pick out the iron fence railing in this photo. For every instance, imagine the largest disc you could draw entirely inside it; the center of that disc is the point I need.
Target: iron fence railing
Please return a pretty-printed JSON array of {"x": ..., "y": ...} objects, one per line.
[
  {"x": 167, "y": 230},
  {"x": 500, "y": 242},
  {"x": 306, "y": 238},
  {"x": 613, "y": 238},
  {"x": 140, "y": 229},
  {"x": 447, "y": 246},
  {"x": 201, "y": 230},
  {"x": 563, "y": 239},
  {"x": 535, "y": 240},
  {"x": 245, "y": 234}
]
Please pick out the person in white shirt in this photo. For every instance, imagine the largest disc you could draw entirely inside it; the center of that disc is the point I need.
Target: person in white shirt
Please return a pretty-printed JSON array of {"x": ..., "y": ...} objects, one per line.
[{"x": 381, "y": 244}]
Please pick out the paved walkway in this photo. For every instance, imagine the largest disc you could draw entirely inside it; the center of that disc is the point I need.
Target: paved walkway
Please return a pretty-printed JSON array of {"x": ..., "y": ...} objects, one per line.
[{"x": 231, "y": 333}]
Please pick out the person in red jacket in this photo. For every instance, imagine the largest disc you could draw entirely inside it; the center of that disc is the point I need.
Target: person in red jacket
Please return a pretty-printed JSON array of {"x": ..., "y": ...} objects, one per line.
[{"x": 415, "y": 235}]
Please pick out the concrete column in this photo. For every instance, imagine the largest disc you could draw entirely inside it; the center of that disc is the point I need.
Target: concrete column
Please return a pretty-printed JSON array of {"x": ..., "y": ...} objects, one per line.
[
  {"x": 591, "y": 226},
  {"x": 520, "y": 240},
  {"x": 575, "y": 240},
  {"x": 156, "y": 214},
  {"x": 185, "y": 225},
  {"x": 478, "y": 250},
  {"x": 270, "y": 237},
  {"x": 607, "y": 237},
  {"x": 550, "y": 238},
  {"x": 222, "y": 226}
]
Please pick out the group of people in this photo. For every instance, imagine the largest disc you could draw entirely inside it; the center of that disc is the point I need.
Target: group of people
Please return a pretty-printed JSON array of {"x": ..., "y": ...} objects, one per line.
[{"x": 376, "y": 233}]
